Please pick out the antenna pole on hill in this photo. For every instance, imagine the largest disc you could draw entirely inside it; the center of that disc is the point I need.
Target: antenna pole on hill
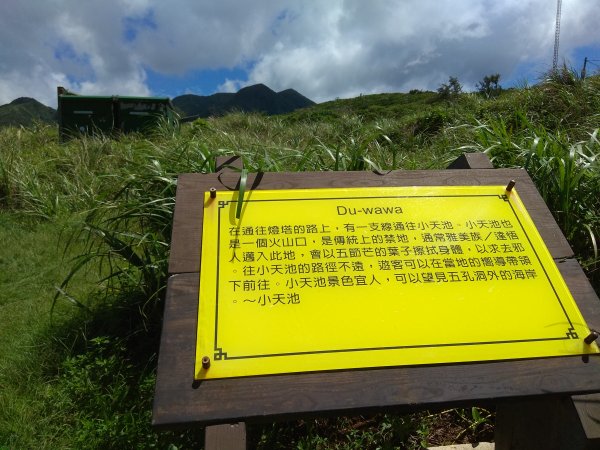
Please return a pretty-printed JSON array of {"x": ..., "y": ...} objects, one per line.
[
  {"x": 583, "y": 73},
  {"x": 556, "y": 35}
]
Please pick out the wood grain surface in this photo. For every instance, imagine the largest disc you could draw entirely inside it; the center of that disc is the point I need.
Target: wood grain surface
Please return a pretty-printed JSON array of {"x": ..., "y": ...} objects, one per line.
[
  {"x": 180, "y": 401},
  {"x": 471, "y": 161},
  {"x": 225, "y": 437},
  {"x": 588, "y": 410}
]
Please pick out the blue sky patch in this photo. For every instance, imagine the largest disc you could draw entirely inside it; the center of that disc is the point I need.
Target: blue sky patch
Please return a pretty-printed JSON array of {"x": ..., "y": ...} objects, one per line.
[
  {"x": 76, "y": 66},
  {"x": 592, "y": 53},
  {"x": 199, "y": 82},
  {"x": 133, "y": 24},
  {"x": 64, "y": 51}
]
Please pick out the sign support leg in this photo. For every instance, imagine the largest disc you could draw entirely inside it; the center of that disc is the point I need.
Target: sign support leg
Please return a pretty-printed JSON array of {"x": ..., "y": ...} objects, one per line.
[
  {"x": 225, "y": 437},
  {"x": 547, "y": 423}
]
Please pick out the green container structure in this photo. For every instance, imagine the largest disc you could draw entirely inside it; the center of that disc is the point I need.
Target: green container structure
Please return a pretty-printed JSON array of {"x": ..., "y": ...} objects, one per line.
[{"x": 86, "y": 114}]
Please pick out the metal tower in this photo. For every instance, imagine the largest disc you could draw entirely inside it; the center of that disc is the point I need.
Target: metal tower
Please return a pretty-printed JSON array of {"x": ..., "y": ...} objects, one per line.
[{"x": 556, "y": 35}]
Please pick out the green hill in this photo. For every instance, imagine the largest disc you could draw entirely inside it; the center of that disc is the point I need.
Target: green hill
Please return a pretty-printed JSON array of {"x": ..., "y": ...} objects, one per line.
[
  {"x": 564, "y": 103},
  {"x": 372, "y": 106},
  {"x": 24, "y": 111}
]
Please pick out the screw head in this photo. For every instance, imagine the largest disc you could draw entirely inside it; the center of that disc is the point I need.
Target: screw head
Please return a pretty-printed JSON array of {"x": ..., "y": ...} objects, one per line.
[{"x": 591, "y": 337}]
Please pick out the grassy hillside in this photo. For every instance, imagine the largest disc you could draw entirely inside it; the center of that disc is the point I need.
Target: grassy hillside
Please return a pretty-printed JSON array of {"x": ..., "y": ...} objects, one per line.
[
  {"x": 370, "y": 106},
  {"x": 85, "y": 230},
  {"x": 25, "y": 111}
]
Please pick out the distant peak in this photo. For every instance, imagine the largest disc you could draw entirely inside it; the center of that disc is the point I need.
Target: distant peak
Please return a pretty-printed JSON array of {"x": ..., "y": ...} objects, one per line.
[
  {"x": 21, "y": 100},
  {"x": 256, "y": 87},
  {"x": 256, "y": 98}
]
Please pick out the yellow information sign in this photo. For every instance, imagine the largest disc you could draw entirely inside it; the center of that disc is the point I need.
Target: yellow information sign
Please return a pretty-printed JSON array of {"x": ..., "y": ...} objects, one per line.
[{"x": 326, "y": 279}]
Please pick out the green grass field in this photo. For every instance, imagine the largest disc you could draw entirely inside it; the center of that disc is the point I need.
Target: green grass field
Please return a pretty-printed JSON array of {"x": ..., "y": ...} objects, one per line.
[{"x": 85, "y": 230}]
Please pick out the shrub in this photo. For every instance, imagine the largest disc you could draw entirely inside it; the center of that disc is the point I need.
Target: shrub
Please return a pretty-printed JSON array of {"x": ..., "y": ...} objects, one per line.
[{"x": 490, "y": 86}]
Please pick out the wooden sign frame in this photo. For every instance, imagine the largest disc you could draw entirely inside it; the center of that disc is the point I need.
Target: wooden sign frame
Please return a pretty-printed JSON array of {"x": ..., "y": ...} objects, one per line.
[{"x": 181, "y": 401}]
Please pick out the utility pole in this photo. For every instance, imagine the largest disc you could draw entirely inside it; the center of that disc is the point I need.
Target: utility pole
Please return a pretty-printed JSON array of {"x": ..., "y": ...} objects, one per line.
[
  {"x": 556, "y": 35},
  {"x": 585, "y": 60}
]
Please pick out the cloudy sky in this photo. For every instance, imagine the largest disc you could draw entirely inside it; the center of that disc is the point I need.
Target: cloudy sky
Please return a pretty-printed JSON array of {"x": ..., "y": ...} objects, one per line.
[{"x": 322, "y": 48}]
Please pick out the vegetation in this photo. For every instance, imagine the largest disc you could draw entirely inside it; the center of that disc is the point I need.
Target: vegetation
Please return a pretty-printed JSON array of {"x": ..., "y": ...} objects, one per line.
[
  {"x": 451, "y": 90},
  {"x": 85, "y": 230},
  {"x": 490, "y": 86}
]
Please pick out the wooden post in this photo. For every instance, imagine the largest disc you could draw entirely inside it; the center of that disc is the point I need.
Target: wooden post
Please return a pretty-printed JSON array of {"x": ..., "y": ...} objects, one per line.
[
  {"x": 541, "y": 424},
  {"x": 228, "y": 436},
  {"x": 587, "y": 408},
  {"x": 226, "y": 163},
  {"x": 471, "y": 161},
  {"x": 225, "y": 437}
]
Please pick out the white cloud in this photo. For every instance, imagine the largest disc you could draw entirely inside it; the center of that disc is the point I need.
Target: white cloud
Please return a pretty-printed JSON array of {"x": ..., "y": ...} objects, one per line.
[
  {"x": 323, "y": 49},
  {"x": 206, "y": 34},
  {"x": 69, "y": 43},
  {"x": 372, "y": 47},
  {"x": 229, "y": 86}
]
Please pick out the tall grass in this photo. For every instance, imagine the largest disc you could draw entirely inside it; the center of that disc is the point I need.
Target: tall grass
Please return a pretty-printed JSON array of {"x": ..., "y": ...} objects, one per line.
[{"x": 566, "y": 173}]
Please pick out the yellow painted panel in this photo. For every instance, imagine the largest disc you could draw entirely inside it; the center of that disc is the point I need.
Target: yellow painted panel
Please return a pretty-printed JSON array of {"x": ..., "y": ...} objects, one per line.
[{"x": 326, "y": 279}]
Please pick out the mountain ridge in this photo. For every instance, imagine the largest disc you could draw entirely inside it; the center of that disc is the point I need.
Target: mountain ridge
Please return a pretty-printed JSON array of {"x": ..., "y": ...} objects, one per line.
[
  {"x": 255, "y": 98},
  {"x": 24, "y": 111}
]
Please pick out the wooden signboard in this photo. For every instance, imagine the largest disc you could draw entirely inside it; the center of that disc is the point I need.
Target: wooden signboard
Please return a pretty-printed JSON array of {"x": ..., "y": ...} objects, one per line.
[{"x": 533, "y": 306}]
